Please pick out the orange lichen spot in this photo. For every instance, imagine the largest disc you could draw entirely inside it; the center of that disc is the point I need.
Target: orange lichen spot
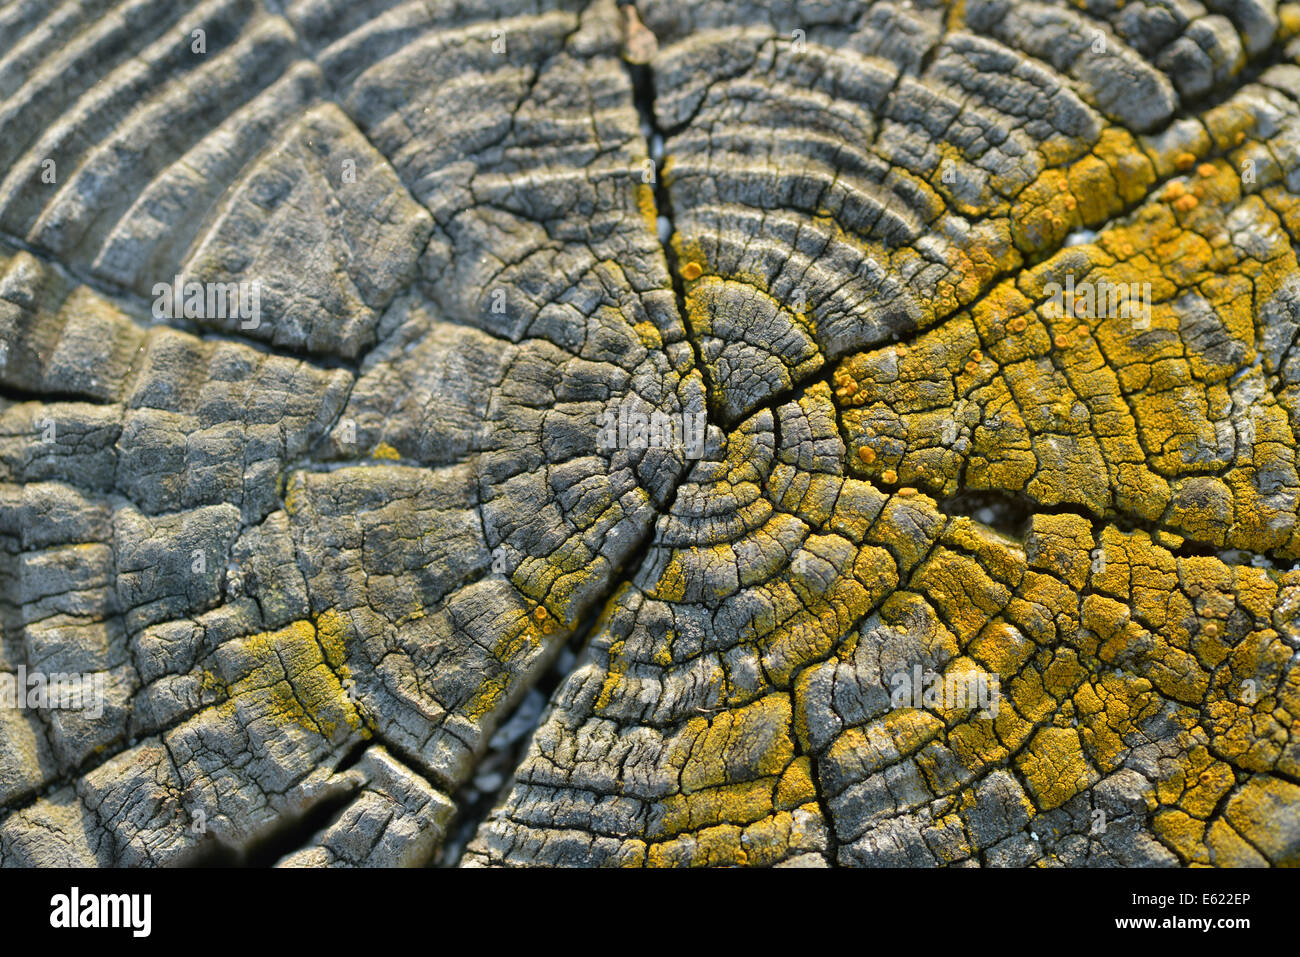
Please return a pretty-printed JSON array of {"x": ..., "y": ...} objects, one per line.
[
  {"x": 1062, "y": 341},
  {"x": 1185, "y": 161},
  {"x": 1205, "y": 169},
  {"x": 645, "y": 204},
  {"x": 1117, "y": 174},
  {"x": 1174, "y": 190},
  {"x": 293, "y": 681},
  {"x": 1288, "y": 15},
  {"x": 907, "y": 492},
  {"x": 1210, "y": 629},
  {"x": 976, "y": 356},
  {"x": 649, "y": 335},
  {"x": 1186, "y": 203},
  {"x": 539, "y": 612},
  {"x": 889, "y": 476},
  {"x": 692, "y": 271},
  {"x": 1017, "y": 324},
  {"x": 332, "y": 630},
  {"x": 489, "y": 695},
  {"x": 867, "y": 454}
]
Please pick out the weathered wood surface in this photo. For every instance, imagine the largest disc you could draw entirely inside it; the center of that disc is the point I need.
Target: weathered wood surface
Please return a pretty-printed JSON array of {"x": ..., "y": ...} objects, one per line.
[{"x": 317, "y": 556}]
